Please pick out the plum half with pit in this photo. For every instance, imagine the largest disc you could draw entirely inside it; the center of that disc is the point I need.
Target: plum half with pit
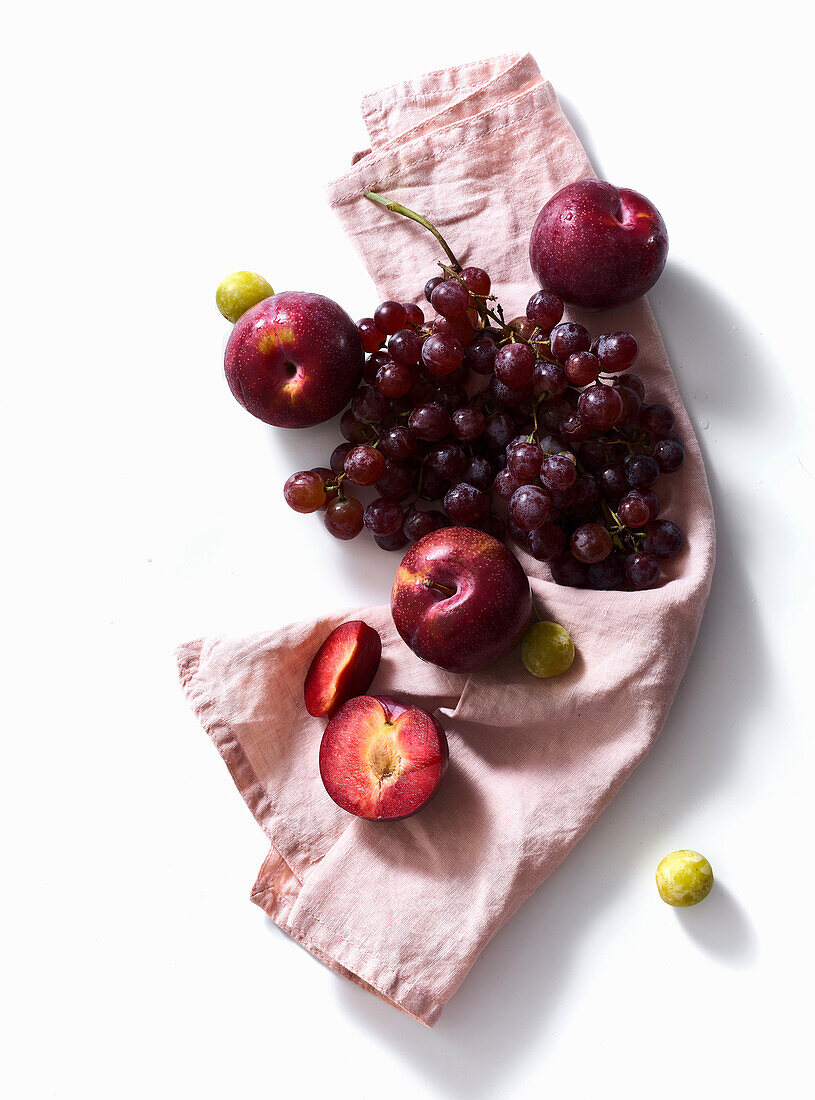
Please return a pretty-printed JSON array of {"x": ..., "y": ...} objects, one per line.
[{"x": 382, "y": 759}]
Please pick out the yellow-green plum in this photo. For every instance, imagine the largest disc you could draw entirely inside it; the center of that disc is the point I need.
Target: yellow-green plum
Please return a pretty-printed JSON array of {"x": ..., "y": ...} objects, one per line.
[
  {"x": 294, "y": 359},
  {"x": 547, "y": 649},
  {"x": 684, "y": 878},
  {"x": 240, "y": 291}
]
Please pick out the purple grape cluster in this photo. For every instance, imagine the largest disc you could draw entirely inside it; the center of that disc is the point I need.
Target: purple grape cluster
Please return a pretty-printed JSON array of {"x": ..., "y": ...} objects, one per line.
[{"x": 558, "y": 449}]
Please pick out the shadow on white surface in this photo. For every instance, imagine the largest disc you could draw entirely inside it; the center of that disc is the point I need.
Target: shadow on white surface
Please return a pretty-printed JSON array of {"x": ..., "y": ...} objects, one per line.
[
  {"x": 721, "y": 928},
  {"x": 511, "y": 1000},
  {"x": 581, "y": 129}
]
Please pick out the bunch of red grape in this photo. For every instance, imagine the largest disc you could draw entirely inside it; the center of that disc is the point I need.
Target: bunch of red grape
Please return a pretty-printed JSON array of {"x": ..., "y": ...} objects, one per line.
[{"x": 559, "y": 439}]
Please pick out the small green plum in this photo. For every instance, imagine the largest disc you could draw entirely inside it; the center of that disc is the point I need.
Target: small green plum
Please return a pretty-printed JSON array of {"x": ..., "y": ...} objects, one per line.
[
  {"x": 240, "y": 291},
  {"x": 684, "y": 878},
  {"x": 547, "y": 649}
]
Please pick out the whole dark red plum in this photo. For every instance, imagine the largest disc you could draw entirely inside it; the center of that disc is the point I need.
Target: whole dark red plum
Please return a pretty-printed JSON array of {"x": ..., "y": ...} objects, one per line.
[
  {"x": 294, "y": 359},
  {"x": 598, "y": 246},
  {"x": 461, "y": 599}
]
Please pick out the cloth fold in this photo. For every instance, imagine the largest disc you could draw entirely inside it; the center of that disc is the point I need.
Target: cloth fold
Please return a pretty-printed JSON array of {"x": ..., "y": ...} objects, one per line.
[{"x": 404, "y": 908}]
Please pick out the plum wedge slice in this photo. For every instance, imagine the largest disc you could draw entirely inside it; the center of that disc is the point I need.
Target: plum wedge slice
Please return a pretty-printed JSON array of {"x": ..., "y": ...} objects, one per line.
[{"x": 344, "y": 666}]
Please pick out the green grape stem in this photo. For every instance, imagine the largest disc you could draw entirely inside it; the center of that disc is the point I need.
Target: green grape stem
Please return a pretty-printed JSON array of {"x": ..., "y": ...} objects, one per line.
[{"x": 397, "y": 208}]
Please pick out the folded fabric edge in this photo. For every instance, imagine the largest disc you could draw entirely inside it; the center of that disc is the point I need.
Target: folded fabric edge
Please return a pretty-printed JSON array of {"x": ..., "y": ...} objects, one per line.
[
  {"x": 376, "y": 169},
  {"x": 277, "y": 887},
  {"x": 188, "y": 657},
  {"x": 276, "y": 894}
]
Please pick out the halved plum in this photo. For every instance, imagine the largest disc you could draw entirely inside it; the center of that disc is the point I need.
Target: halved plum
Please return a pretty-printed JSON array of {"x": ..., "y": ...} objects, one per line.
[
  {"x": 344, "y": 666},
  {"x": 381, "y": 759}
]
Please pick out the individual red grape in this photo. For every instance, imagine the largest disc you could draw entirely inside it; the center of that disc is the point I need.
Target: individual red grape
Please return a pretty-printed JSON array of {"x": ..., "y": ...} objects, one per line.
[
  {"x": 397, "y": 541},
  {"x": 514, "y": 365},
  {"x": 669, "y": 454},
  {"x": 364, "y": 465},
  {"x": 632, "y": 382},
  {"x": 464, "y": 503},
  {"x": 529, "y": 507},
  {"x": 522, "y": 326},
  {"x": 405, "y": 346},
  {"x": 551, "y": 445},
  {"x": 450, "y": 299},
  {"x": 338, "y": 457},
  {"x": 558, "y": 472},
  {"x": 641, "y": 471},
  {"x": 632, "y": 403},
  {"x": 431, "y": 285},
  {"x": 606, "y": 574},
  {"x": 383, "y": 517},
  {"x": 524, "y": 461},
  {"x": 582, "y": 368},
  {"x": 548, "y": 379},
  {"x": 663, "y": 539},
  {"x": 343, "y": 517},
  {"x": 354, "y": 430},
  {"x": 613, "y": 482},
  {"x": 480, "y": 473},
  {"x": 567, "y": 571},
  {"x": 419, "y": 523},
  {"x": 305, "y": 491},
  {"x": 414, "y": 314},
  {"x": 397, "y": 480},
  {"x": 369, "y": 405},
  {"x": 544, "y": 309},
  {"x": 567, "y": 339},
  {"x": 398, "y": 443},
  {"x": 468, "y": 423},
  {"x": 616, "y": 351},
  {"x": 476, "y": 280},
  {"x": 394, "y": 380},
  {"x": 499, "y": 428},
  {"x": 448, "y": 460},
  {"x": 389, "y": 317},
  {"x": 633, "y": 510},
  {"x": 652, "y": 500},
  {"x": 430, "y": 422},
  {"x": 506, "y": 483},
  {"x": 657, "y": 420},
  {"x": 590, "y": 543},
  {"x": 442, "y": 353},
  {"x": 371, "y": 337},
  {"x": 600, "y": 406},
  {"x": 479, "y": 355},
  {"x": 642, "y": 570},
  {"x": 547, "y": 542}
]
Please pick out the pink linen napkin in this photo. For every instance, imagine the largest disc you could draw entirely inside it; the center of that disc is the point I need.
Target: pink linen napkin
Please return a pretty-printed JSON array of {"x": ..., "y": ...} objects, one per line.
[{"x": 404, "y": 908}]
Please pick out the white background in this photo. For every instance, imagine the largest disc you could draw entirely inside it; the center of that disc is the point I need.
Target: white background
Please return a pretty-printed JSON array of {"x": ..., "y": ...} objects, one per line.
[{"x": 151, "y": 149}]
